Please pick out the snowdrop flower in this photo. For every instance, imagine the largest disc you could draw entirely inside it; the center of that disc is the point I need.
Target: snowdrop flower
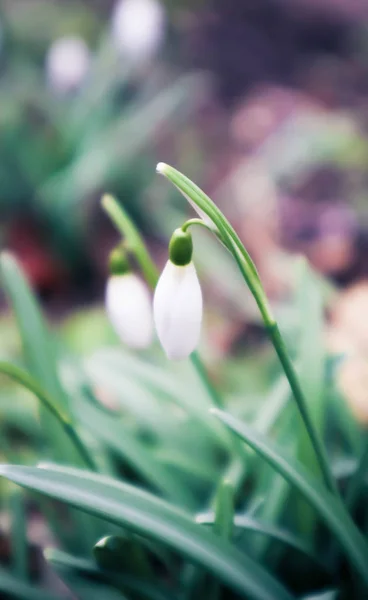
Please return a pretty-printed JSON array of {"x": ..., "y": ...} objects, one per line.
[
  {"x": 138, "y": 28},
  {"x": 177, "y": 305},
  {"x": 67, "y": 64},
  {"x": 128, "y": 304}
]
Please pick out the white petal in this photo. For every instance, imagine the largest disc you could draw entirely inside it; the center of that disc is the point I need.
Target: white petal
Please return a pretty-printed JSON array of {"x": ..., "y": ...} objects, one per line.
[
  {"x": 128, "y": 305},
  {"x": 138, "y": 27},
  {"x": 67, "y": 63},
  {"x": 177, "y": 309}
]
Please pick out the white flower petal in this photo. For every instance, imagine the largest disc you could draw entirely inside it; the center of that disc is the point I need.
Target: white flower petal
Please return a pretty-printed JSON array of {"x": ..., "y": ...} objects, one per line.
[
  {"x": 67, "y": 63},
  {"x": 177, "y": 309},
  {"x": 138, "y": 28},
  {"x": 128, "y": 305}
]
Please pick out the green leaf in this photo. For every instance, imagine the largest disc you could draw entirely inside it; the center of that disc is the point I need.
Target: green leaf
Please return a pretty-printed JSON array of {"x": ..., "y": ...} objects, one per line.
[
  {"x": 326, "y": 505},
  {"x": 311, "y": 358},
  {"x": 73, "y": 439},
  {"x": 222, "y": 526},
  {"x": 251, "y": 525},
  {"x": 224, "y": 510},
  {"x": 114, "y": 434},
  {"x": 151, "y": 517},
  {"x": 19, "y": 542},
  {"x": 39, "y": 351},
  {"x": 37, "y": 343}
]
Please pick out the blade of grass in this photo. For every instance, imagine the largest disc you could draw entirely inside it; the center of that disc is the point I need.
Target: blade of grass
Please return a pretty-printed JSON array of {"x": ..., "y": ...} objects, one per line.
[
  {"x": 48, "y": 403},
  {"x": 251, "y": 525},
  {"x": 112, "y": 432},
  {"x": 19, "y": 544},
  {"x": 222, "y": 525},
  {"x": 311, "y": 359},
  {"x": 39, "y": 352},
  {"x": 357, "y": 480}
]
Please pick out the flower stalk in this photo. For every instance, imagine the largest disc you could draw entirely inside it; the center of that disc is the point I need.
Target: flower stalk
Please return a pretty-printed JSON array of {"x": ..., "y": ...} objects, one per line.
[{"x": 232, "y": 242}]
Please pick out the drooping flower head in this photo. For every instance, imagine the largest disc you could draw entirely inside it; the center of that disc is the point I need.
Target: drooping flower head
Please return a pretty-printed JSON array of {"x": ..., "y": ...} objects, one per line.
[
  {"x": 128, "y": 303},
  {"x": 177, "y": 305}
]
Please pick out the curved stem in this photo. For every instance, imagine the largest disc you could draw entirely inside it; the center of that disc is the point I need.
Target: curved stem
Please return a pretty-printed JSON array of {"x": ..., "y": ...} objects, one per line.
[
  {"x": 288, "y": 367},
  {"x": 132, "y": 237},
  {"x": 28, "y": 382},
  {"x": 198, "y": 222}
]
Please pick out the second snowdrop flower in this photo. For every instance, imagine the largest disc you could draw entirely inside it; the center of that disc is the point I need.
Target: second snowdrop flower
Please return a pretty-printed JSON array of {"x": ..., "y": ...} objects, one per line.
[
  {"x": 177, "y": 305},
  {"x": 128, "y": 304}
]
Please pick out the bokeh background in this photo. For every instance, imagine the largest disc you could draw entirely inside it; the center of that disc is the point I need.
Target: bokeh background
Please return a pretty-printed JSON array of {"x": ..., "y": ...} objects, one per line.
[{"x": 262, "y": 102}]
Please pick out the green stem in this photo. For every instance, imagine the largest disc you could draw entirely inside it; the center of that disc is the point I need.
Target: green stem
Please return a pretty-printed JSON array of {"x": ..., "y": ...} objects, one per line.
[
  {"x": 282, "y": 353},
  {"x": 198, "y": 222},
  {"x": 242, "y": 258},
  {"x": 28, "y": 382},
  {"x": 356, "y": 479},
  {"x": 203, "y": 375},
  {"x": 133, "y": 239}
]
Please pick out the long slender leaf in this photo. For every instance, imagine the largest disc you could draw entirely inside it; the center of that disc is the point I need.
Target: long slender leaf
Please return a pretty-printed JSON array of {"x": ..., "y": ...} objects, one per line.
[
  {"x": 37, "y": 343},
  {"x": 112, "y": 432},
  {"x": 327, "y": 506},
  {"x": 19, "y": 535},
  {"x": 149, "y": 516},
  {"x": 39, "y": 351}
]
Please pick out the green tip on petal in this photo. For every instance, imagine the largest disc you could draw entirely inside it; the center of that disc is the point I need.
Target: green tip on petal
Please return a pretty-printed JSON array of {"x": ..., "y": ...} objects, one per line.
[
  {"x": 118, "y": 262},
  {"x": 181, "y": 248}
]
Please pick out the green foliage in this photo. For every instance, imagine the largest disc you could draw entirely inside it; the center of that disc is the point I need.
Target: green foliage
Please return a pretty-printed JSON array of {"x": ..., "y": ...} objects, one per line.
[{"x": 160, "y": 499}]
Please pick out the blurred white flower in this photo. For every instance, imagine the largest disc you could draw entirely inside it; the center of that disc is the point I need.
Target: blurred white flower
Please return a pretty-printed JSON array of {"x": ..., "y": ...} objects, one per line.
[
  {"x": 138, "y": 28},
  {"x": 67, "y": 63},
  {"x": 128, "y": 305},
  {"x": 177, "y": 309}
]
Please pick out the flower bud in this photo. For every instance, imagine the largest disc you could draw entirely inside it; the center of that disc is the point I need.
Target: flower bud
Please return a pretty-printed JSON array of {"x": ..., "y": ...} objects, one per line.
[
  {"x": 128, "y": 303},
  {"x": 181, "y": 248},
  {"x": 177, "y": 309}
]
